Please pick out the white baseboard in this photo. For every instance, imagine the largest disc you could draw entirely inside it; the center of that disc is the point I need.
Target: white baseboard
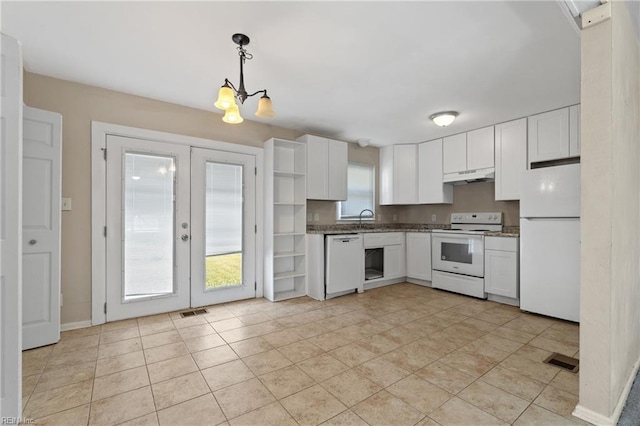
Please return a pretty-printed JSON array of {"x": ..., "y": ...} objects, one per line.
[
  {"x": 592, "y": 417},
  {"x": 418, "y": 281},
  {"x": 382, "y": 282},
  {"x": 599, "y": 419},
  {"x": 75, "y": 325},
  {"x": 504, "y": 300}
]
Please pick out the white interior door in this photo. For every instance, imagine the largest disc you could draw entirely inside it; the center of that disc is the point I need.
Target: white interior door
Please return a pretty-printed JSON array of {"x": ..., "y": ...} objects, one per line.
[
  {"x": 148, "y": 227},
  {"x": 10, "y": 229},
  {"x": 223, "y": 227},
  {"x": 41, "y": 183}
]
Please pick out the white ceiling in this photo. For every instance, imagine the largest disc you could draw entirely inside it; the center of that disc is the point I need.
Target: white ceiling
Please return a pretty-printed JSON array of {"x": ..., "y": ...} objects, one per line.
[{"x": 347, "y": 70}]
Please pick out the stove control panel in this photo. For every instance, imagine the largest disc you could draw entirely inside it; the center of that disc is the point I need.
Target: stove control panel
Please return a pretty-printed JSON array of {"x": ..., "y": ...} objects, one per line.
[{"x": 494, "y": 218}]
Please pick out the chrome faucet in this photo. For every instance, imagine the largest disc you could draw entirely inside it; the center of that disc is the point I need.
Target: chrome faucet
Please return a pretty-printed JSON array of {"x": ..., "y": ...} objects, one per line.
[{"x": 360, "y": 216}]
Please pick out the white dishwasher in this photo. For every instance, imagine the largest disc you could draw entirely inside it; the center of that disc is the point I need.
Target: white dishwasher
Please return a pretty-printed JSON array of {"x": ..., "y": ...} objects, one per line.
[{"x": 344, "y": 263}]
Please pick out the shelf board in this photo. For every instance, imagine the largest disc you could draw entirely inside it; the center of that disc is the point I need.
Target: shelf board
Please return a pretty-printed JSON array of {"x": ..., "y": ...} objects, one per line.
[
  {"x": 288, "y": 174},
  {"x": 288, "y": 204},
  {"x": 289, "y": 254},
  {"x": 288, "y": 274},
  {"x": 283, "y": 295},
  {"x": 289, "y": 234}
]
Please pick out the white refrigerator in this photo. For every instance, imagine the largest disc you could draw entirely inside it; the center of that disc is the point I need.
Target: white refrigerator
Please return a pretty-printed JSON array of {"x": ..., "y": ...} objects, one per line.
[{"x": 550, "y": 241}]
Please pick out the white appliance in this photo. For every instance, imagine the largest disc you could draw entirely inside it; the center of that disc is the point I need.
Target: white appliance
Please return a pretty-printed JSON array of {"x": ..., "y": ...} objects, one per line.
[
  {"x": 550, "y": 241},
  {"x": 458, "y": 253},
  {"x": 345, "y": 263}
]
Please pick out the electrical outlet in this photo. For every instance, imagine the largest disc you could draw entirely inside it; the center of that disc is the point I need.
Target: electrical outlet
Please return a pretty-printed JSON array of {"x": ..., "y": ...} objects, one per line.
[
  {"x": 309, "y": 217},
  {"x": 395, "y": 217},
  {"x": 380, "y": 217},
  {"x": 316, "y": 217},
  {"x": 433, "y": 218}
]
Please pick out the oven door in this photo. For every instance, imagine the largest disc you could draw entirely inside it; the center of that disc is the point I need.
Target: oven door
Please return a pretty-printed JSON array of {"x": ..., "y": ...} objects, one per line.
[{"x": 458, "y": 253}]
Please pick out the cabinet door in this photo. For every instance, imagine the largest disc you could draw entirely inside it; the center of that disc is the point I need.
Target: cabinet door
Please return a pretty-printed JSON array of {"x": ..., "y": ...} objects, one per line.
[
  {"x": 501, "y": 273},
  {"x": 454, "y": 153},
  {"x": 317, "y": 167},
  {"x": 386, "y": 175},
  {"x": 549, "y": 135},
  {"x": 405, "y": 174},
  {"x": 338, "y": 157},
  {"x": 394, "y": 261},
  {"x": 511, "y": 158},
  {"x": 419, "y": 255},
  {"x": 480, "y": 146},
  {"x": 574, "y": 131},
  {"x": 431, "y": 190}
]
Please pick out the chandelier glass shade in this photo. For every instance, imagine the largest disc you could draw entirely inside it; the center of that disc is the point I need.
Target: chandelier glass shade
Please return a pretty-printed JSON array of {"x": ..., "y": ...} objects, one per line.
[{"x": 228, "y": 94}]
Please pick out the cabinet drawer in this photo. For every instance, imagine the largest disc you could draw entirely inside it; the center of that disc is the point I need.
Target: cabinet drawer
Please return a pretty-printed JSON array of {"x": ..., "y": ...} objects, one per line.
[
  {"x": 372, "y": 240},
  {"x": 501, "y": 243}
]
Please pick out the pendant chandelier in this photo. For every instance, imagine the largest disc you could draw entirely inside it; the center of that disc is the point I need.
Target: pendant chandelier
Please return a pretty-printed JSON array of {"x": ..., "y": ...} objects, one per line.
[{"x": 228, "y": 93}]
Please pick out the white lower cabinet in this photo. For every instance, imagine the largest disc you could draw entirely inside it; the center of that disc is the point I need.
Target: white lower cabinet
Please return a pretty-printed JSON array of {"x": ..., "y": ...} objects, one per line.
[
  {"x": 394, "y": 261},
  {"x": 419, "y": 255},
  {"x": 501, "y": 276},
  {"x": 385, "y": 252}
]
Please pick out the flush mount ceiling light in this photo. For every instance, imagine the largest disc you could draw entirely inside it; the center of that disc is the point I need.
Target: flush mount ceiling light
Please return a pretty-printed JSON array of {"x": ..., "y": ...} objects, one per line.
[
  {"x": 228, "y": 93},
  {"x": 443, "y": 119}
]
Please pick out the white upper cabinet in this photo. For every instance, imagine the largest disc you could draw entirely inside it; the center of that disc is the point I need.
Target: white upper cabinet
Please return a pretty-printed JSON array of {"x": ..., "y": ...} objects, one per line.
[
  {"x": 549, "y": 136},
  {"x": 454, "y": 153},
  {"x": 574, "y": 131},
  {"x": 338, "y": 159},
  {"x": 468, "y": 151},
  {"x": 326, "y": 168},
  {"x": 399, "y": 174},
  {"x": 480, "y": 149},
  {"x": 431, "y": 190},
  {"x": 510, "y": 158}
]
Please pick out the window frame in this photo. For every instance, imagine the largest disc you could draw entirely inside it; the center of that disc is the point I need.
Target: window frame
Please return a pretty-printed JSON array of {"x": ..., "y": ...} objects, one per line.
[{"x": 341, "y": 218}]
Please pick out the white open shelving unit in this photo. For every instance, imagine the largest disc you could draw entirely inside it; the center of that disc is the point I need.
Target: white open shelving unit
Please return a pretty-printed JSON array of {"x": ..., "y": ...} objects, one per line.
[{"x": 285, "y": 224}]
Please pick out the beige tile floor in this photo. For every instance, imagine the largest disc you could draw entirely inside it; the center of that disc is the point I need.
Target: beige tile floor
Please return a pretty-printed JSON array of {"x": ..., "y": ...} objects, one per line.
[{"x": 397, "y": 355}]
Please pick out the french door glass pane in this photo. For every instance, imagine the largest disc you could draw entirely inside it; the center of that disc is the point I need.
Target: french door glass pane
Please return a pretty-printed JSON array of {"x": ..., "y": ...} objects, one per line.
[
  {"x": 149, "y": 214},
  {"x": 223, "y": 225}
]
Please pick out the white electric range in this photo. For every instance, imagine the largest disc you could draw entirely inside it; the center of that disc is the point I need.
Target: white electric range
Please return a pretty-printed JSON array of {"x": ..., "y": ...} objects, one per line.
[{"x": 458, "y": 253}]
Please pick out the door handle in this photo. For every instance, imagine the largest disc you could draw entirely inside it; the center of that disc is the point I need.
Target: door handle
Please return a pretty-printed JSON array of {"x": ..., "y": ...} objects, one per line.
[
  {"x": 32, "y": 242},
  {"x": 185, "y": 237}
]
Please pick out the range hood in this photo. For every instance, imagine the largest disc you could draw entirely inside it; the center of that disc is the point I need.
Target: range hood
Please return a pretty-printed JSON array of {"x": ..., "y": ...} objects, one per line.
[{"x": 469, "y": 176}]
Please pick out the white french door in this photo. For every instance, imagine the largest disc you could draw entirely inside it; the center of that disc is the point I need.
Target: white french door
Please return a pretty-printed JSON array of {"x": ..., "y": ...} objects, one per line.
[
  {"x": 177, "y": 227},
  {"x": 147, "y": 208},
  {"x": 223, "y": 217}
]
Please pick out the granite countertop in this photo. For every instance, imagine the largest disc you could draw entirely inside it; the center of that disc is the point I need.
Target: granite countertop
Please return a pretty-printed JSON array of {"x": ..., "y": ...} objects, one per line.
[{"x": 354, "y": 228}]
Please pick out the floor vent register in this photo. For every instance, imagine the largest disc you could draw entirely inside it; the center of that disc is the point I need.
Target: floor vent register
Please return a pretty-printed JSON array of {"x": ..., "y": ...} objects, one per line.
[
  {"x": 192, "y": 313},
  {"x": 563, "y": 361}
]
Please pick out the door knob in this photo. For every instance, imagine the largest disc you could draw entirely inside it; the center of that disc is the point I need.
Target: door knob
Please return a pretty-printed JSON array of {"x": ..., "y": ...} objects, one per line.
[
  {"x": 185, "y": 237},
  {"x": 32, "y": 242}
]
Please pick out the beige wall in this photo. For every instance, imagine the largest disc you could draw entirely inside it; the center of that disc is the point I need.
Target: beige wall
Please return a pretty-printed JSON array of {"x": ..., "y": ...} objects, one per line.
[
  {"x": 79, "y": 105},
  {"x": 610, "y": 212},
  {"x": 473, "y": 197}
]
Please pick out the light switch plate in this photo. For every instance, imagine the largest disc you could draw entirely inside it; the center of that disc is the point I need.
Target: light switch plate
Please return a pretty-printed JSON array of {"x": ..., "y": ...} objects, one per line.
[
  {"x": 309, "y": 217},
  {"x": 433, "y": 218},
  {"x": 316, "y": 217},
  {"x": 66, "y": 204}
]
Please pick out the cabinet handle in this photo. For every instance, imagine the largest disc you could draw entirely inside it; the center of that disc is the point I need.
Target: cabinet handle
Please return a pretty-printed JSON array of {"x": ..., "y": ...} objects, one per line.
[{"x": 32, "y": 242}]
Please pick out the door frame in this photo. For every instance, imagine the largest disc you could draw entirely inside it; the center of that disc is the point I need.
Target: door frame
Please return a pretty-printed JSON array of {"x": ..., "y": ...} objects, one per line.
[{"x": 99, "y": 132}]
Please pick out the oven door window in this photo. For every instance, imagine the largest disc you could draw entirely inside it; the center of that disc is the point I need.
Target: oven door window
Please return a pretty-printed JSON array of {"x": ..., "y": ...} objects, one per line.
[{"x": 457, "y": 252}]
